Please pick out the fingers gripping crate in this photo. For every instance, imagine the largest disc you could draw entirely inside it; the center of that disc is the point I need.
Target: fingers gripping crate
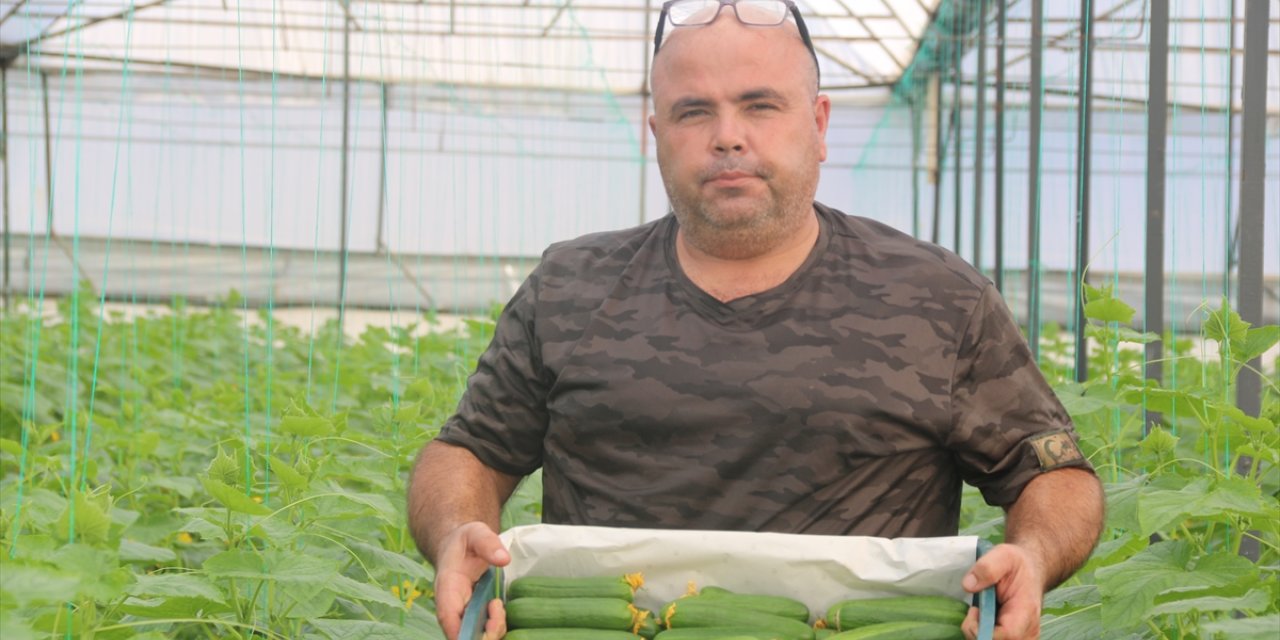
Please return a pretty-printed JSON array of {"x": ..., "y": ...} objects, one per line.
[{"x": 817, "y": 570}]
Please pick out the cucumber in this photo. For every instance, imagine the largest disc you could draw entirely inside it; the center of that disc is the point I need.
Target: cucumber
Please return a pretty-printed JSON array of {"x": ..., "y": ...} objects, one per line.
[
  {"x": 852, "y": 614},
  {"x": 568, "y": 633},
  {"x": 706, "y": 612},
  {"x": 593, "y": 613},
  {"x": 622, "y": 587},
  {"x": 716, "y": 633},
  {"x": 649, "y": 627},
  {"x": 903, "y": 630},
  {"x": 775, "y": 605}
]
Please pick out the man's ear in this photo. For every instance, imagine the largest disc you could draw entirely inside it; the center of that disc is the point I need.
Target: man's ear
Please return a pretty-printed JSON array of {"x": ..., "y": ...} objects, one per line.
[
  {"x": 821, "y": 117},
  {"x": 653, "y": 126}
]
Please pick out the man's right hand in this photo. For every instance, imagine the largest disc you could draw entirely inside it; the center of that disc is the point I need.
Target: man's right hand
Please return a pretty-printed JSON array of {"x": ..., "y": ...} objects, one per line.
[{"x": 464, "y": 555}]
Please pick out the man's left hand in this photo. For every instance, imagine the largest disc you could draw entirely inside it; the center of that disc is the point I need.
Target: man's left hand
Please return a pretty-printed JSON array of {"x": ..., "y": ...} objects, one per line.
[{"x": 1019, "y": 582}]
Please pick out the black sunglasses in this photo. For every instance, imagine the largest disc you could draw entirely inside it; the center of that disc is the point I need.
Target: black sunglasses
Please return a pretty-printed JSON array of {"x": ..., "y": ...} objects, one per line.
[{"x": 764, "y": 13}]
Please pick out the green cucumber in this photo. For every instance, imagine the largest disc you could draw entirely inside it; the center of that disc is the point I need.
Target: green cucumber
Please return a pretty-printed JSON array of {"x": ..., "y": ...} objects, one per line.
[
  {"x": 649, "y": 627},
  {"x": 903, "y": 630},
  {"x": 593, "y": 613},
  {"x": 776, "y": 605},
  {"x": 706, "y": 612},
  {"x": 716, "y": 633},
  {"x": 568, "y": 633},
  {"x": 853, "y": 614},
  {"x": 622, "y": 587}
]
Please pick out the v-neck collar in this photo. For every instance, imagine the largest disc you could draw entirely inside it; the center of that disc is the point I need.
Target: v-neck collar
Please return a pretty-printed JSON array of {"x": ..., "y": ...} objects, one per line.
[{"x": 747, "y": 312}]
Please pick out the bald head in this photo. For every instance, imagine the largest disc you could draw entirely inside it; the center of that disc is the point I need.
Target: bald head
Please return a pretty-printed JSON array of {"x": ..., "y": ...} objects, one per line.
[{"x": 720, "y": 36}]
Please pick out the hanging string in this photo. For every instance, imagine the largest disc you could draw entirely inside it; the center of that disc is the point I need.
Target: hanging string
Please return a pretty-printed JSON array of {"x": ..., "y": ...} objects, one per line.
[
  {"x": 124, "y": 111},
  {"x": 320, "y": 184}
]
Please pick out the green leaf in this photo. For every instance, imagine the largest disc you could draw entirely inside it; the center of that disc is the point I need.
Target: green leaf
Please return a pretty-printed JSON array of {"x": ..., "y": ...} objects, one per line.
[
  {"x": 170, "y": 585},
  {"x": 103, "y": 579},
  {"x": 23, "y": 585},
  {"x": 1260, "y": 628},
  {"x": 205, "y": 529},
  {"x": 1203, "y": 499},
  {"x": 1122, "y": 503},
  {"x": 1225, "y": 324},
  {"x": 173, "y": 607},
  {"x": 232, "y": 498},
  {"x": 408, "y": 412},
  {"x": 306, "y": 426},
  {"x": 1209, "y": 600},
  {"x": 1065, "y": 599},
  {"x": 1169, "y": 401},
  {"x": 185, "y": 487},
  {"x": 363, "y": 630},
  {"x": 10, "y": 447},
  {"x": 1109, "y": 310},
  {"x": 273, "y": 564},
  {"x": 15, "y": 627},
  {"x": 1160, "y": 446},
  {"x": 287, "y": 474},
  {"x": 1092, "y": 293},
  {"x": 91, "y": 522},
  {"x": 345, "y": 587},
  {"x": 392, "y": 563},
  {"x": 1113, "y": 551},
  {"x": 379, "y": 503},
  {"x": 1257, "y": 342},
  {"x": 134, "y": 551},
  {"x": 223, "y": 468},
  {"x": 1257, "y": 427},
  {"x": 303, "y": 599},
  {"x": 1084, "y": 623},
  {"x": 144, "y": 445},
  {"x": 1129, "y": 589}
]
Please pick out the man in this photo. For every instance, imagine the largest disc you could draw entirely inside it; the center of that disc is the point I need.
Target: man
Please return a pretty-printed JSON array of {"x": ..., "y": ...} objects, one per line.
[{"x": 757, "y": 361}]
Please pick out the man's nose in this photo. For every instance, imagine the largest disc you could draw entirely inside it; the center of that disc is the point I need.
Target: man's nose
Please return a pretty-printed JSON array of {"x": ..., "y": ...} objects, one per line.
[{"x": 729, "y": 135}]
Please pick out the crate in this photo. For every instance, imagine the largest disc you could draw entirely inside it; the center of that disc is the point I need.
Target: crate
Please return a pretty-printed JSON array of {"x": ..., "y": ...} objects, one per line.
[{"x": 748, "y": 562}]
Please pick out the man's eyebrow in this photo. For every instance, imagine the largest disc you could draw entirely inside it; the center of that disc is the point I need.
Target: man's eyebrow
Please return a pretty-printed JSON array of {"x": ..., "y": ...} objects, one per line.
[
  {"x": 689, "y": 103},
  {"x": 751, "y": 95},
  {"x": 763, "y": 93}
]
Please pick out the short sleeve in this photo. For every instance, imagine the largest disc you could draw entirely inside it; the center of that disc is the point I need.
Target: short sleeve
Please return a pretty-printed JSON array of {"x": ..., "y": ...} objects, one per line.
[
  {"x": 502, "y": 416},
  {"x": 1007, "y": 424}
]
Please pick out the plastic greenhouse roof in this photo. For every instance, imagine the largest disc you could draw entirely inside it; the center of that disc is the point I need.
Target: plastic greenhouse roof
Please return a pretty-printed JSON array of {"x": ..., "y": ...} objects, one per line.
[{"x": 576, "y": 45}]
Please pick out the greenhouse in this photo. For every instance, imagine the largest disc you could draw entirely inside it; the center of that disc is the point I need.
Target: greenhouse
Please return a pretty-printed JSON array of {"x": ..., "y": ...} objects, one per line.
[{"x": 253, "y": 252}]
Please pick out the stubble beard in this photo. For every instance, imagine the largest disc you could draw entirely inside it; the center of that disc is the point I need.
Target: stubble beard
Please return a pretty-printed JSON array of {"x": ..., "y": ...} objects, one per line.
[{"x": 732, "y": 230}]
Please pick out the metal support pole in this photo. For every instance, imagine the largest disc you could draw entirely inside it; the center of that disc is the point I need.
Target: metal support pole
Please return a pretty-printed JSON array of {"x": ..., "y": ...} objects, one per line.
[
  {"x": 48, "y": 156},
  {"x": 1253, "y": 172},
  {"x": 1033, "y": 173},
  {"x": 1157, "y": 132},
  {"x": 999, "y": 177},
  {"x": 935, "y": 234},
  {"x": 1085, "y": 122},
  {"x": 1227, "y": 239},
  {"x": 979, "y": 132},
  {"x": 342, "y": 183},
  {"x": 380, "y": 242},
  {"x": 957, "y": 107},
  {"x": 644, "y": 113},
  {"x": 1251, "y": 226},
  {"x": 4, "y": 157},
  {"x": 915, "y": 165}
]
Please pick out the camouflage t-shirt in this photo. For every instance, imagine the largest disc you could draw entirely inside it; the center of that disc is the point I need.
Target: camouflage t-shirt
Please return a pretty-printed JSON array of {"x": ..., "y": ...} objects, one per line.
[{"x": 851, "y": 399}]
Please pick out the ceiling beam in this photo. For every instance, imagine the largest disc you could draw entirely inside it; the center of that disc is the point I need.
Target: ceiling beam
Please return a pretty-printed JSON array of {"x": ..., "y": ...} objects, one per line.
[{"x": 133, "y": 10}]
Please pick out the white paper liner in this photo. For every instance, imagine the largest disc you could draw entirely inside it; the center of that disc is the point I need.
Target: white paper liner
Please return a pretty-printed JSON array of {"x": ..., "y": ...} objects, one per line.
[{"x": 817, "y": 570}]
